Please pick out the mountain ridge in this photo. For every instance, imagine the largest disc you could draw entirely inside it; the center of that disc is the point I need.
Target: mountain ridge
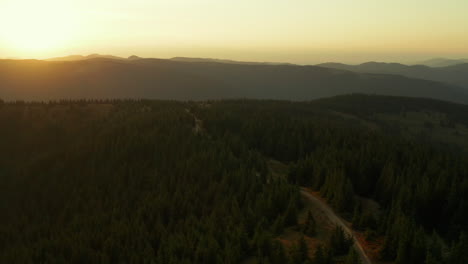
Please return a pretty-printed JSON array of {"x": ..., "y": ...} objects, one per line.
[
  {"x": 454, "y": 74},
  {"x": 175, "y": 80},
  {"x": 82, "y": 57},
  {"x": 443, "y": 62}
]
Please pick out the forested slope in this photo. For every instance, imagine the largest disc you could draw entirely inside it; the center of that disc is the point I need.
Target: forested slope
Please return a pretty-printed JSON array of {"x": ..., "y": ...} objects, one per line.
[
  {"x": 177, "y": 80},
  {"x": 136, "y": 182},
  {"x": 129, "y": 182},
  {"x": 421, "y": 186},
  {"x": 454, "y": 74}
]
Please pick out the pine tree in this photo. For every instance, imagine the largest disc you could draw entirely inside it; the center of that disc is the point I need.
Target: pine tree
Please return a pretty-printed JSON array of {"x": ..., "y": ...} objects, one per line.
[
  {"x": 299, "y": 252},
  {"x": 434, "y": 250},
  {"x": 353, "y": 257},
  {"x": 278, "y": 254},
  {"x": 309, "y": 227},
  {"x": 339, "y": 242},
  {"x": 458, "y": 253},
  {"x": 303, "y": 249},
  {"x": 319, "y": 256},
  {"x": 291, "y": 213},
  {"x": 357, "y": 216},
  {"x": 278, "y": 225}
]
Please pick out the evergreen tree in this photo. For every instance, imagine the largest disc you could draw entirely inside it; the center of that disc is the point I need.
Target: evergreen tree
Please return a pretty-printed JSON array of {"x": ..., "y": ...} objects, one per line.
[
  {"x": 310, "y": 227},
  {"x": 357, "y": 217},
  {"x": 339, "y": 242},
  {"x": 291, "y": 213},
  {"x": 458, "y": 253},
  {"x": 320, "y": 256},
  {"x": 352, "y": 257},
  {"x": 278, "y": 254},
  {"x": 299, "y": 252}
]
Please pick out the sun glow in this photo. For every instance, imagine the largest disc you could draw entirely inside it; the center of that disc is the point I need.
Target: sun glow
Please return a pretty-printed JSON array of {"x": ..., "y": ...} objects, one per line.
[
  {"x": 36, "y": 27},
  {"x": 298, "y": 31}
]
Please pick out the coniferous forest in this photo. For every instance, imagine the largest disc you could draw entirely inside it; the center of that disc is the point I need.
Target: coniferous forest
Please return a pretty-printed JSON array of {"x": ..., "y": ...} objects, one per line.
[{"x": 141, "y": 181}]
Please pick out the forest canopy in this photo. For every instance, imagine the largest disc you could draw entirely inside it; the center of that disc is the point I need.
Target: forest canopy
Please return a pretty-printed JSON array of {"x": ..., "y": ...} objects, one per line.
[{"x": 141, "y": 181}]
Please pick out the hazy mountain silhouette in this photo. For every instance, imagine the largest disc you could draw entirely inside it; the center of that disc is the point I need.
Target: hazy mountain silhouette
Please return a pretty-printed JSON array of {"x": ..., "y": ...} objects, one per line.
[
  {"x": 442, "y": 62},
  {"x": 167, "y": 79},
  {"x": 187, "y": 59},
  {"x": 456, "y": 74},
  {"x": 134, "y": 57},
  {"x": 182, "y": 59},
  {"x": 81, "y": 57}
]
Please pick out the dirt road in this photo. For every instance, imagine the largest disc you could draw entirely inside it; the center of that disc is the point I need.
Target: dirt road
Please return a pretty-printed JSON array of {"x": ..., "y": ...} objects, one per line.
[{"x": 337, "y": 221}]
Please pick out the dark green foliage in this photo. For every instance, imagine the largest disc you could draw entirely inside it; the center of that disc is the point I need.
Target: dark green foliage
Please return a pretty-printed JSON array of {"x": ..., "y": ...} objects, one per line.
[
  {"x": 309, "y": 227},
  {"x": 299, "y": 252},
  {"x": 361, "y": 220},
  {"x": 420, "y": 185},
  {"x": 319, "y": 256},
  {"x": 459, "y": 251},
  {"x": 322, "y": 256},
  {"x": 338, "y": 189},
  {"x": 339, "y": 242},
  {"x": 130, "y": 182},
  {"x": 278, "y": 254},
  {"x": 291, "y": 213},
  {"x": 434, "y": 254},
  {"x": 357, "y": 217},
  {"x": 353, "y": 257}
]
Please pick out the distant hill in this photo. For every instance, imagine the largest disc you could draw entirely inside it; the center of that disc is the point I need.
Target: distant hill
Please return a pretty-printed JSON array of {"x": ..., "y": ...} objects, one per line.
[
  {"x": 442, "y": 62},
  {"x": 181, "y": 59},
  {"x": 134, "y": 57},
  {"x": 455, "y": 74},
  {"x": 186, "y": 59},
  {"x": 81, "y": 57},
  {"x": 168, "y": 79}
]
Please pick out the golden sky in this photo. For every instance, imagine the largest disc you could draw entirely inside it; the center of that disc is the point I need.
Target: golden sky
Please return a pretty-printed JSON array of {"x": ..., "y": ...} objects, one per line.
[{"x": 298, "y": 31}]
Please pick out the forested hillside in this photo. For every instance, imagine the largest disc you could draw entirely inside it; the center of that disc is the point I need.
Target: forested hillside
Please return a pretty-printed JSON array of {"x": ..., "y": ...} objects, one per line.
[
  {"x": 421, "y": 186},
  {"x": 456, "y": 74},
  {"x": 191, "y": 182},
  {"x": 200, "y": 80},
  {"x": 130, "y": 182}
]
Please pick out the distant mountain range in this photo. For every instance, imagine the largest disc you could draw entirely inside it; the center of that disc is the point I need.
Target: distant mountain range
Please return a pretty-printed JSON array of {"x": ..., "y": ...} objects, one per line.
[
  {"x": 436, "y": 62},
  {"x": 182, "y": 59},
  {"x": 200, "y": 80},
  {"x": 81, "y": 57},
  {"x": 455, "y": 74},
  {"x": 442, "y": 62},
  {"x": 185, "y": 59}
]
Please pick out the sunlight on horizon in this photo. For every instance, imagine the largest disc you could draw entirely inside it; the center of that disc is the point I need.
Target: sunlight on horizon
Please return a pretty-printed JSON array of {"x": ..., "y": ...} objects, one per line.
[
  {"x": 268, "y": 30},
  {"x": 35, "y": 27}
]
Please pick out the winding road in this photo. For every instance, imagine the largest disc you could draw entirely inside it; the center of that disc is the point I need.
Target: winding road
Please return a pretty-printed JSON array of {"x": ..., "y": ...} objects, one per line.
[
  {"x": 337, "y": 221},
  {"x": 328, "y": 211}
]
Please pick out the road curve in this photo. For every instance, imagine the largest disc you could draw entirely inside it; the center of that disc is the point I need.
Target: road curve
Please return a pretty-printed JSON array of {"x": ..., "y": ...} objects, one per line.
[{"x": 337, "y": 221}]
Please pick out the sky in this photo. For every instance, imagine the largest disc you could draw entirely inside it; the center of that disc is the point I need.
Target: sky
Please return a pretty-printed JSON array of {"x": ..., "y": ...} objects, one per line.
[{"x": 297, "y": 31}]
